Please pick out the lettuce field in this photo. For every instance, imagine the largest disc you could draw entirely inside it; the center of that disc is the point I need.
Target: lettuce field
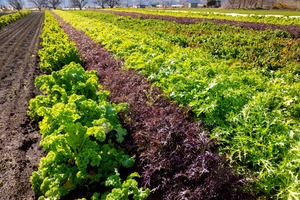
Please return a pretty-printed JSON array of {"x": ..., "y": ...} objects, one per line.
[{"x": 145, "y": 104}]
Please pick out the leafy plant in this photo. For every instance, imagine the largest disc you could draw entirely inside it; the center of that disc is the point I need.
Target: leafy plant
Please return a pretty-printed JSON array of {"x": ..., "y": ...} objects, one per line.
[
  {"x": 252, "y": 111},
  {"x": 192, "y": 16},
  {"x": 81, "y": 135},
  {"x": 56, "y": 52},
  {"x": 170, "y": 148},
  {"x": 10, "y": 18},
  {"x": 77, "y": 132}
]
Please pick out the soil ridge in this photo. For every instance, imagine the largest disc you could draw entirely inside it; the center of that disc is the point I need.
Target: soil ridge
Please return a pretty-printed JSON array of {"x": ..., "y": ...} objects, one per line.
[{"x": 19, "y": 138}]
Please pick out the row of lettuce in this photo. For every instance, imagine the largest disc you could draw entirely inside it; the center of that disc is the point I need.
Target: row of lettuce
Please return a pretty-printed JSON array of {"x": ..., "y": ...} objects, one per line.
[
  {"x": 269, "y": 50},
  {"x": 268, "y": 19},
  {"x": 253, "y": 112},
  {"x": 10, "y": 18},
  {"x": 79, "y": 128}
]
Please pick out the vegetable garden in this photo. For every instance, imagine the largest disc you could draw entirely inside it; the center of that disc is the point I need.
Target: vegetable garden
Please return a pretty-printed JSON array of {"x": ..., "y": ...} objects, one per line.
[
  {"x": 261, "y": 18},
  {"x": 79, "y": 127},
  {"x": 167, "y": 109},
  {"x": 243, "y": 85}
]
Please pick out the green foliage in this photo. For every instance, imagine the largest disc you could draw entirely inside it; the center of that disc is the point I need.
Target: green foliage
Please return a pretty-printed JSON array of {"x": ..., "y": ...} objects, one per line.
[
  {"x": 123, "y": 190},
  {"x": 251, "y": 104},
  {"x": 269, "y": 50},
  {"x": 72, "y": 79},
  {"x": 80, "y": 133},
  {"x": 79, "y": 130},
  {"x": 261, "y": 16},
  {"x": 10, "y": 18},
  {"x": 56, "y": 52}
]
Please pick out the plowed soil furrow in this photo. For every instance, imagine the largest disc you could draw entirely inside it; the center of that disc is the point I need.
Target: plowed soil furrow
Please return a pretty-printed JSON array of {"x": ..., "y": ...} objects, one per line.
[
  {"x": 5, "y": 13},
  {"x": 19, "y": 148},
  {"x": 16, "y": 37},
  {"x": 8, "y": 31}
]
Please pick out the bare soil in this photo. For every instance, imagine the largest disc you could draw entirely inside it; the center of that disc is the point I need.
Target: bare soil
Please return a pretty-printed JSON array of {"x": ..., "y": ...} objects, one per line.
[
  {"x": 5, "y": 13},
  {"x": 19, "y": 138}
]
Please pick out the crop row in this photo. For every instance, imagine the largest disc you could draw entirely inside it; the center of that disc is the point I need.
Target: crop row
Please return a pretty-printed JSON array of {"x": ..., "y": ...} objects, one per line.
[
  {"x": 10, "y": 18},
  {"x": 174, "y": 153},
  {"x": 249, "y": 18},
  {"x": 268, "y": 50},
  {"x": 293, "y": 30},
  {"x": 255, "y": 117},
  {"x": 79, "y": 127}
]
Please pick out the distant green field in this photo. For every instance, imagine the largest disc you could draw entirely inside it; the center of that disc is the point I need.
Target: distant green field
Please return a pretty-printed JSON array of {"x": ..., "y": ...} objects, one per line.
[
  {"x": 257, "y": 12},
  {"x": 242, "y": 83},
  {"x": 261, "y": 16}
]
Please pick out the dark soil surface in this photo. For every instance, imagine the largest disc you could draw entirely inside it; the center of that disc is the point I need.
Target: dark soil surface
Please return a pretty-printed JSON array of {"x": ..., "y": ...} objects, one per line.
[
  {"x": 5, "y": 13},
  {"x": 292, "y": 29},
  {"x": 19, "y": 138}
]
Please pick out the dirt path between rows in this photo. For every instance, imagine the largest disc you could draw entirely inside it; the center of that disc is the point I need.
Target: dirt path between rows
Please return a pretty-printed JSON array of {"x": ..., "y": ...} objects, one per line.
[{"x": 19, "y": 139}]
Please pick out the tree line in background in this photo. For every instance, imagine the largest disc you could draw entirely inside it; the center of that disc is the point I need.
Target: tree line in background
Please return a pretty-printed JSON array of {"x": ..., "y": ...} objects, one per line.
[{"x": 54, "y": 4}]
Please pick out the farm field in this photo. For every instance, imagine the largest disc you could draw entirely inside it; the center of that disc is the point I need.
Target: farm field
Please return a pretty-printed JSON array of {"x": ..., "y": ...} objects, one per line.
[
  {"x": 157, "y": 126},
  {"x": 243, "y": 16},
  {"x": 19, "y": 138},
  {"x": 237, "y": 80},
  {"x": 256, "y": 25},
  {"x": 129, "y": 103},
  {"x": 7, "y": 18},
  {"x": 240, "y": 11}
]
